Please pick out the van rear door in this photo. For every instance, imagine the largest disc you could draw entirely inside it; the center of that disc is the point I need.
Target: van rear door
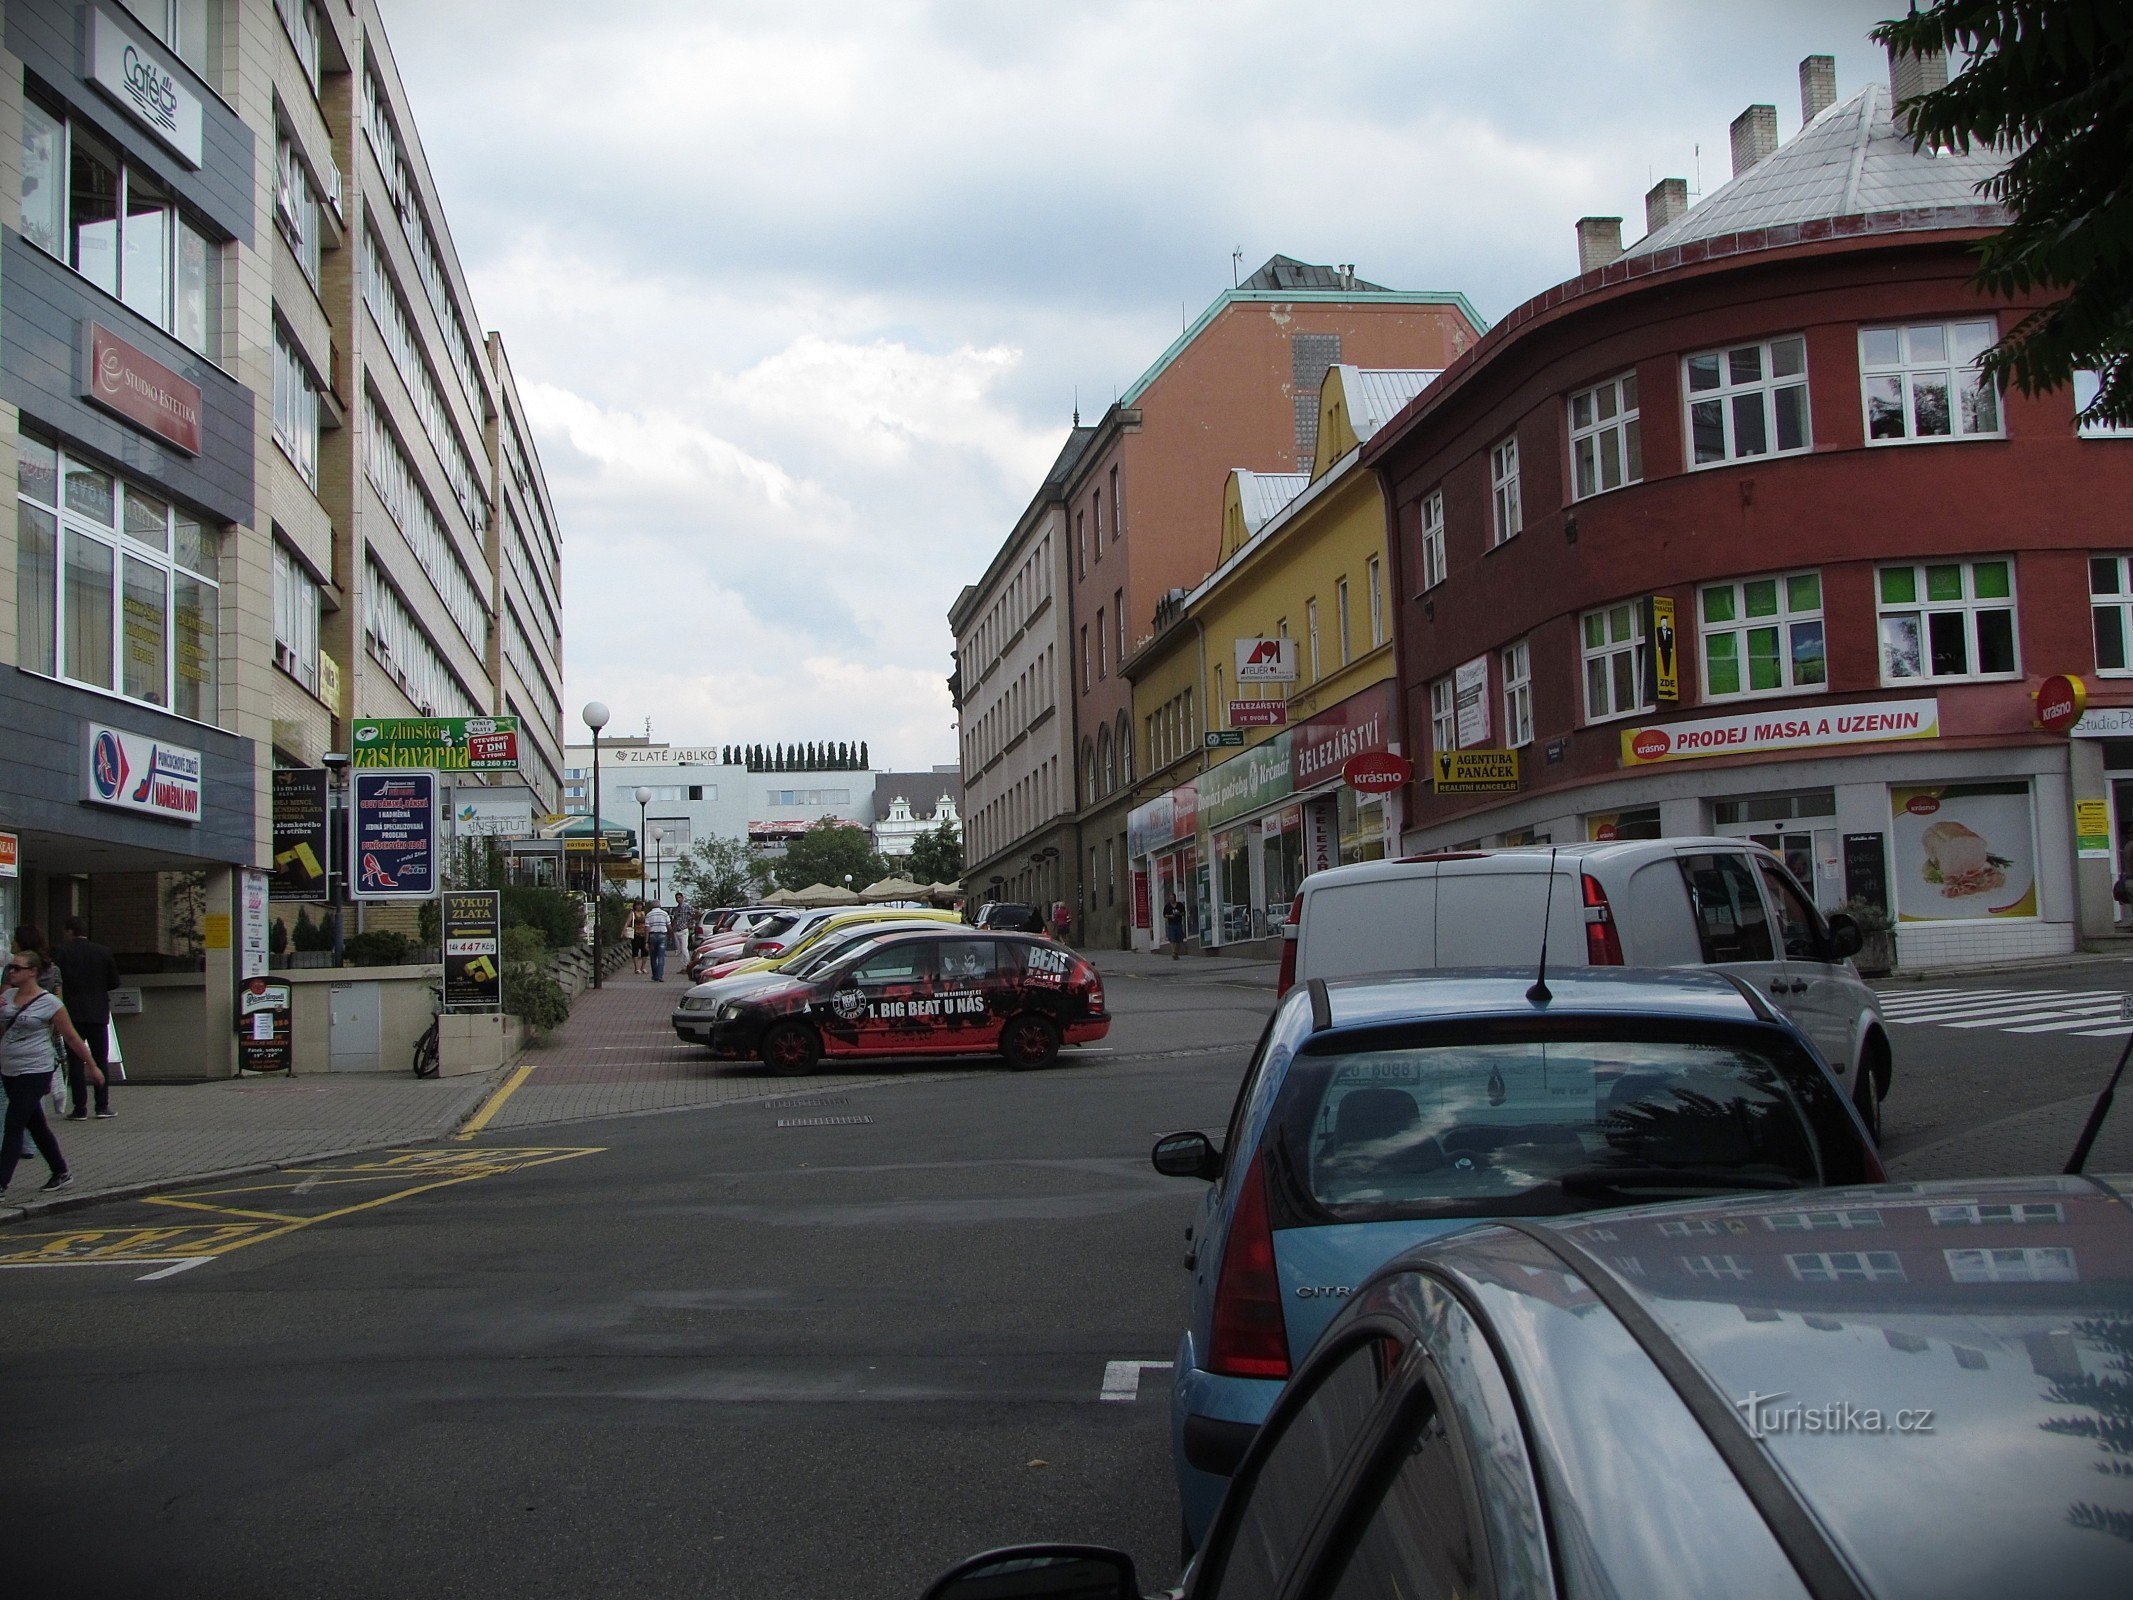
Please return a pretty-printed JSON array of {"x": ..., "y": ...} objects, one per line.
[
  {"x": 1488, "y": 916},
  {"x": 1376, "y": 924}
]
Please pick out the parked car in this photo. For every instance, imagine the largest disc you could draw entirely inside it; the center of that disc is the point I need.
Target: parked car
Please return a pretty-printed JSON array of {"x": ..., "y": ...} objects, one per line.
[
  {"x": 1009, "y": 916},
  {"x": 1914, "y": 1390},
  {"x": 1380, "y": 1112},
  {"x": 955, "y": 992},
  {"x": 802, "y": 936},
  {"x": 692, "y": 1012},
  {"x": 1689, "y": 902}
]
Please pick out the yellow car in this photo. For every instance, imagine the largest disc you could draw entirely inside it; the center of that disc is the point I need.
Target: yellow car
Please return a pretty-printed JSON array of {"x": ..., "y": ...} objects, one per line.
[{"x": 798, "y": 941}]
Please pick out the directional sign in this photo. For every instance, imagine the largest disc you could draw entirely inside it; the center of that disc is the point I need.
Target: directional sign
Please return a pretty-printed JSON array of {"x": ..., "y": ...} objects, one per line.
[
  {"x": 1216, "y": 738},
  {"x": 1474, "y": 771}
]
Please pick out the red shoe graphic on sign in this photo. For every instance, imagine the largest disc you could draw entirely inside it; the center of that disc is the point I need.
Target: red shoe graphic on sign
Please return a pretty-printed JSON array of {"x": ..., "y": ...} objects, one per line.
[{"x": 375, "y": 874}]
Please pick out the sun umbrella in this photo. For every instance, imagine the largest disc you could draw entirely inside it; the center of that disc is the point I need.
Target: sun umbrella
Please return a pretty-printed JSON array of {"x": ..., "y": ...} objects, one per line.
[
  {"x": 894, "y": 888},
  {"x": 822, "y": 894}
]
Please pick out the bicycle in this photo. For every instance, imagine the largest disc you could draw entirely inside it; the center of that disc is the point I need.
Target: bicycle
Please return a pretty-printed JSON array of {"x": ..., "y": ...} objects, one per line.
[{"x": 426, "y": 1046}]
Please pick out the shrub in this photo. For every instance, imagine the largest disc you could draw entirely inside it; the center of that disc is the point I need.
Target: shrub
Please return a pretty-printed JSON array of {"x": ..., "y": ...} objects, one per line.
[
  {"x": 558, "y": 916},
  {"x": 534, "y": 997},
  {"x": 376, "y": 948},
  {"x": 309, "y": 935},
  {"x": 278, "y": 937},
  {"x": 525, "y": 945}
]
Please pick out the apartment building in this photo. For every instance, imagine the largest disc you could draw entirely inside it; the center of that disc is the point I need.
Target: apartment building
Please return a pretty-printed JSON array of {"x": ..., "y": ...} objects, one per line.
[{"x": 271, "y": 476}]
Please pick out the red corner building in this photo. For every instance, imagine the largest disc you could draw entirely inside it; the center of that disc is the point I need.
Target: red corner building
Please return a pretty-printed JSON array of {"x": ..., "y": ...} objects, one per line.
[{"x": 1728, "y": 535}]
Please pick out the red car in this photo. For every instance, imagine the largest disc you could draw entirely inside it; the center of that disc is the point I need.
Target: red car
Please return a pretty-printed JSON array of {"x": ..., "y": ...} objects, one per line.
[{"x": 956, "y": 992}]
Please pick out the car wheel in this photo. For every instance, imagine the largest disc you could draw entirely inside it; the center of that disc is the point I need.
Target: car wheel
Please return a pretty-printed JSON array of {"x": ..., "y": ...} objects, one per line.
[
  {"x": 791, "y": 1049},
  {"x": 1866, "y": 1095},
  {"x": 1028, "y": 1042}
]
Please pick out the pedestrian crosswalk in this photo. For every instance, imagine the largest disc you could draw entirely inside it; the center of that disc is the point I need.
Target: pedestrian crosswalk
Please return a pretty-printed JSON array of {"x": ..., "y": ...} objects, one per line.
[{"x": 2083, "y": 1013}]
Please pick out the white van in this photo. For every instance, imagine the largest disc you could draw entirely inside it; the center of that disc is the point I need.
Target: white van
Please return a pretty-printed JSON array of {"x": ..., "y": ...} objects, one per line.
[{"x": 1722, "y": 903}]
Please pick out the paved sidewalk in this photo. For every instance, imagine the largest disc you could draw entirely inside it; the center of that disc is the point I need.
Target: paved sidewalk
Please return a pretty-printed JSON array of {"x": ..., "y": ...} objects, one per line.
[
  {"x": 1190, "y": 967},
  {"x": 2040, "y": 1139}
]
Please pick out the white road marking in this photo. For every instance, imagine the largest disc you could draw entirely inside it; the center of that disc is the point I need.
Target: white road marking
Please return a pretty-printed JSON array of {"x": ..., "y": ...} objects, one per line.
[
  {"x": 2091, "y": 1009},
  {"x": 2023, "y": 1011},
  {"x": 186, "y": 1265},
  {"x": 1122, "y": 1379},
  {"x": 1982, "y": 1000}
]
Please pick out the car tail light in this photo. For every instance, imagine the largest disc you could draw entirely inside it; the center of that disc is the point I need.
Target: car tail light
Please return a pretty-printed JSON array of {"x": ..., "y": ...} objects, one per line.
[
  {"x": 1248, "y": 1338},
  {"x": 1285, "y": 979},
  {"x": 770, "y": 947},
  {"x": 1603, "y": 946}
]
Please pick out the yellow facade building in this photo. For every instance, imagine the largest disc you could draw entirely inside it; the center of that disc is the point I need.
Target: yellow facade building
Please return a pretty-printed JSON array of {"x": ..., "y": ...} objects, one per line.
[{"x": 1260, "y": 684}]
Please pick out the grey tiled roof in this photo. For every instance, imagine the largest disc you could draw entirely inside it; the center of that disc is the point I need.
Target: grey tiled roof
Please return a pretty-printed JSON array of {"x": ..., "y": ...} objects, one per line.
[{"x": 1850, "y": 161}]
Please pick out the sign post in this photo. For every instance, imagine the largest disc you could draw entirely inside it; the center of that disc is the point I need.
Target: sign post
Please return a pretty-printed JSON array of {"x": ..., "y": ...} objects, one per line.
[
  {"x": 472, "y": 924},
  {"x": 392, "y": 836}
]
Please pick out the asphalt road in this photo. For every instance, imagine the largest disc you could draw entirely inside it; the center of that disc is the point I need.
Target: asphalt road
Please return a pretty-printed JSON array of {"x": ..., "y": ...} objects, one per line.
[{"x": 702, "y": 1352}]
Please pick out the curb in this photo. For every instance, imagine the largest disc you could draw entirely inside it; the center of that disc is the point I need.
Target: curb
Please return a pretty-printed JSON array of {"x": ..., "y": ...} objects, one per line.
[{"x": 2079, "y": 958}]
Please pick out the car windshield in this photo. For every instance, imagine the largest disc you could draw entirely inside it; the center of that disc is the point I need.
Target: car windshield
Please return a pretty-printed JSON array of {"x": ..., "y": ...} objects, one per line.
[
  {"x": 1543, "y": 1125},
  {"x": 834, "y": 947}
]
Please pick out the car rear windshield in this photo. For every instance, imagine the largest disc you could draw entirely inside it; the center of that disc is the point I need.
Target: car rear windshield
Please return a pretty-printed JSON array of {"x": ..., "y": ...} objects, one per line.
[{"x": 1551, "y": 1123}]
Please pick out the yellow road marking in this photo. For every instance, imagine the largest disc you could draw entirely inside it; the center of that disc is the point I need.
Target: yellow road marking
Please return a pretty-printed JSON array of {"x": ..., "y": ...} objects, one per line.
[
  {"x": 495, "y": 1102},
  {"x": 226, "y": 1211}
]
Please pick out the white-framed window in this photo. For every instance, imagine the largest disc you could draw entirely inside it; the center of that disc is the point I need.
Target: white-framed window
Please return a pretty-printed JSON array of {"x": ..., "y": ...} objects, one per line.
[
  {"x": 1311, "y": 632},
  {"x": 386, "y": 465},
  {"x": 2111, "y": 612},
  {"x": 1611, "y": 646},
  {"x": 119, "y": 228},
  {"x": 398, "y": 643},
  {"x": 1763, "y": 636},
  {"x": 1921, "y": 382},
  {"x": 388, "y": 309},
  {"x": 1340, "y": 619},
  {"x": 1433, "y": 565},
  {"x": 1723, "y": 1268},
  {"x": 1606, "y": 438},
  {"x": 1746, "y": 401},
  {"x": 1515, "y": 663},
  {"x": 2045, "y": 1264},
  {"x": 116, "y": 587},
  {"x": 1950, "y": 619},
  {"x": 2012, "y": 1214},
  {"x": 2086, "y": 384},
  {"x": 1443, "y": 715},
  {"x": 1375, "y": 572},
  {"x": 1118, "y": 620},
  {"x": 296, "y": 619},
  {"x": 1847, "y": 1266},
  {"x": 1507, "y": 516},
  {"x": 295, "y": 408},
  {"x": 1818, "y": 1221},
  {"x": 296, "y": 203}
]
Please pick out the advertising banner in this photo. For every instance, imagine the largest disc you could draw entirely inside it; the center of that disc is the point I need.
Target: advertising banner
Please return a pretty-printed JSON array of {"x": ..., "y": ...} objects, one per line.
[
  {"x": 135, "y": 773},
  {"x": 301, "y": 848},
  {"x": 437, "y": 744},
  {"x": 264, "y": 1042},
  {"x": 1666, "y": 664},
  {"x": 1474, "y": 771},
  {"x": 1963, "y": 851},
  {"x": 492, "y": 813},
  {"x": 473, "y": 925},
  {"x": 251, "y": 924},
  {"x": 2092, "y": 830},
  {"x": 132, "y": 73},
  {"x": 10, "y": 855},
  {"x": 1470, "y": 700},
  {"x": 1162, "y": 821},
  {"x": 1867, "y": 722},
  {"x": 392, "y": 836},
  {"x": 134, "y": 385},
  {"x": 1246, "y": 783},
  {"x": 1266, "y": 660},
  {"x": 663, "y": 755}
]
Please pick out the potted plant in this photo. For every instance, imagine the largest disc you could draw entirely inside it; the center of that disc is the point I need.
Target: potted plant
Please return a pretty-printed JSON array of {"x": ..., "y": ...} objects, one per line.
[{"x": 1877, "y": 939}]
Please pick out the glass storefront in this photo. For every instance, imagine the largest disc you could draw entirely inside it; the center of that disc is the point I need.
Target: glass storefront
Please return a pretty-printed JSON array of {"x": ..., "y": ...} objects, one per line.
[
  {"x": 1233, "y": 883},
  {"x": 1281, "y": 854},
  {"x": 1799, "y": 825},
  {"x": 1362, "y": 825}
]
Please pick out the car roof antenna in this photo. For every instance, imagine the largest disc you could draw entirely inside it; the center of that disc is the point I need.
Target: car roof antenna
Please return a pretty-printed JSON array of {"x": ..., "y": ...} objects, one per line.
[
  {"x": 1540, "y": 994},
  {"x": 2097, "y": 1112}
]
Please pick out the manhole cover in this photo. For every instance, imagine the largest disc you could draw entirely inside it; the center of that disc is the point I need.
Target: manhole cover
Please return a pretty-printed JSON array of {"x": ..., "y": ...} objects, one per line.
[{"x": 821, "y": 1122}]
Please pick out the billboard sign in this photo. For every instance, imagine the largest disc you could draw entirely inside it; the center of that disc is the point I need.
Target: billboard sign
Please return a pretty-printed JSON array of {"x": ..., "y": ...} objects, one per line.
[
  {"x": 135, "y": 773},
  {"x": 437, "y": 744},
  {"x": 473, "y": 950},
  {"x": 392, "y": 837},
  {"x": 301, "y": 850}
]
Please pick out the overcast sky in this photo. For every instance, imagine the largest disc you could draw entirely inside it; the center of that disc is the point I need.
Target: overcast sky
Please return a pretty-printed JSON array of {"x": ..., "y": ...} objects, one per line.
[{"x": 801, "y": 296}]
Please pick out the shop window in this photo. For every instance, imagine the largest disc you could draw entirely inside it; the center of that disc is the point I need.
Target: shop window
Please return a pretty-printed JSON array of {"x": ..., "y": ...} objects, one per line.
[
  {"x": 1433, "y": 567},
  {"x": 116, "y": 587},
  {"x": 1747, "y": 401},
  {"x": 1613, "y": 656},
  {"x": 1515, "y": 663},
  {"x": 2111, "y": 612},
  {"x": 1763, "y": 636},
  {"x": 1606, "y": 439},
  {"x": 1922, "y": 382},
  {"x": 1507, "y": 515},
  {"x": 1947, "y": 620}
]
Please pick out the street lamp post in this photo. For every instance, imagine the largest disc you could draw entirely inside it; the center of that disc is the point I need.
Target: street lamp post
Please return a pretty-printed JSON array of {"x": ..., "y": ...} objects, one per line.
[
  {"x": 595, "y": 715},
  {"x": 644, "y": 798}
]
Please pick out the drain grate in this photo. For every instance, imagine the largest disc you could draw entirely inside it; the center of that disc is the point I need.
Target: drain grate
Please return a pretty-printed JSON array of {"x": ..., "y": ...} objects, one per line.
[
  {"x": 821, "y": 1122},
  {"x": 810, "y": 1101}
]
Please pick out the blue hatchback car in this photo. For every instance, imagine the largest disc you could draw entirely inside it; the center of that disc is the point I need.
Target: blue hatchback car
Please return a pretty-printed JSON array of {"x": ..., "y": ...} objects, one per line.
[{"x": 1378, "y": 1113}]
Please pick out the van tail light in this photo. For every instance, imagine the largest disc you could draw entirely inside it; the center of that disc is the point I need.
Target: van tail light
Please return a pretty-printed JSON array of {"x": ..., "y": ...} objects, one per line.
[
  {"x": 1248, "y": 1338},
  {"x": 1285, "y": 979},
  {"x": 1603, "y": 946}
]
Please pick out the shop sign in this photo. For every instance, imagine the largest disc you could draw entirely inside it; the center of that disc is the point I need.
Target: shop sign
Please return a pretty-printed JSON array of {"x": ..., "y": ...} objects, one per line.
[
  {"x": 1216, "y": 738},
  {"x": 2092, "y": 830},
  {"x": 251, "y": 924},
  {"x": 1162, "y": 821},
  {"x": 329, "y": 682},
  {"x": 1322, "y": 834},
  {"x": 1963, "y": 851},
  {"x": 1378, "y": 772},
  {"x": 492, "y": 813},
  {"x": 263, "y": 1033},
  {"x": 134, "y": 773},
  {"x": 1867, "y": 722},
  {"x": 2060, "y": 702},
  {"x": 708, "y": 755},
  {"x": 392, "y": 836},
  {"x": 1474, "y": 771},
  {"x": 136, "y": 386},
  {"x": 437, "y": 744},
  {"x": 1359, "y": 724},
  {"x": 1666, "y": 665},
  {"x": 472, "y": 924},
  {"x": 129, "y": 72},
  {"x": 1266, "y": 660},
  {"x": 1470, "y": 700},
  {"x": 10, "y": 856},
  {"x": 1258, "y": 713},
  {"x": 1247, "y": 783},
  {"x": 2104, "y": 722},
  {"x": 301, "y": 847}
]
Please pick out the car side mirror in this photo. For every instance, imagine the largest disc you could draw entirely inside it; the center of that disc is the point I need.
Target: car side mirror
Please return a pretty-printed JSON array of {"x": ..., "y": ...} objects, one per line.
[
  {"x": 1040, "y": 1572},
  {"x": 1844, "y": 936},
  {"x": 1186, "y": 1155}
]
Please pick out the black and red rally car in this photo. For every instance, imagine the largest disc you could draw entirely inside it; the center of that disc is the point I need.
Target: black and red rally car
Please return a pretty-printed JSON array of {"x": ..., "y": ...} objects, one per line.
[{"x": 957, "y": 992}]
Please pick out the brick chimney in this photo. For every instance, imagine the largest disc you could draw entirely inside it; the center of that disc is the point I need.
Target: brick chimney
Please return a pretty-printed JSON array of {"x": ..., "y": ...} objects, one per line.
[
  {"x": 1818, "y": 87},
  {"x": 1755, "y": 135},
  {"x": 1599, "y": 242},
  {"x": 1665, "y": 201},
  {"x": 1911, "y": 76}
]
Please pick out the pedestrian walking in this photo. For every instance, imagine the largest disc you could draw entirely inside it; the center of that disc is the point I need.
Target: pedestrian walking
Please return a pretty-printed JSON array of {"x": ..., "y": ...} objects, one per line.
[
  {"x": 635, "y": 930},
  {"x": 31, "y": 1019},
  {"x": 29, "y": 940},
  {"x": 1174, "y": 926},
  {"x": 656, "y": 923},
  {"x": 1062, "y": 919},
  {"x": 88, "y": 974}
]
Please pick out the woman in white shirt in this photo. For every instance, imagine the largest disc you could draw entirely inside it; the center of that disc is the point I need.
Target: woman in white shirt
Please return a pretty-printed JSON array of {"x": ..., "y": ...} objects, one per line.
[{"x": 30, "y": 1020}]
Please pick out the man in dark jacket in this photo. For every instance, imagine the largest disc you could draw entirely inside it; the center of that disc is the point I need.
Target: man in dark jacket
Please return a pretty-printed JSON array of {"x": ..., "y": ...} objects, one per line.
[{"x": 88, "y": 975}]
